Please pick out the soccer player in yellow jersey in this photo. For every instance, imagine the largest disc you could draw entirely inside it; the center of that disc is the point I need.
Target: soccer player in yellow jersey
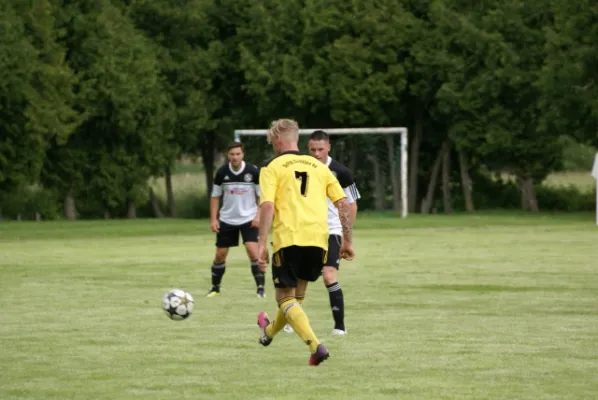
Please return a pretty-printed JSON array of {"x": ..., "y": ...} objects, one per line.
[{"x": 294, "y": 191}]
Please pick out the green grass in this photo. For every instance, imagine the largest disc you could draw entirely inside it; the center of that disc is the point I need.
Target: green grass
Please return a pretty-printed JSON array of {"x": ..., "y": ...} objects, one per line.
[{"x": 493, "y": 306}]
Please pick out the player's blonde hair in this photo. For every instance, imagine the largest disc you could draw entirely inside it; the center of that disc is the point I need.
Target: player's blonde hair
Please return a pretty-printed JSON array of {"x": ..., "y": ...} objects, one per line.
[{"x": 286, "y": 129}]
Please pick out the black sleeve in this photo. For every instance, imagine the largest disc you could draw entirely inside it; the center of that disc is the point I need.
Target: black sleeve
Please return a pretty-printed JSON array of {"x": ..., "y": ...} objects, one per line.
[
  {"x": 219, "y": 177},
  {"x": 345, "y": 177}
]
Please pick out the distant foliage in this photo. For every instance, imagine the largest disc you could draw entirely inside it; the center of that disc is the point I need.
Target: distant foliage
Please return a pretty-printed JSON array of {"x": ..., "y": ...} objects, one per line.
[
  {"x": 577, "y": 156},
  {"x": 98, "y": 98}
]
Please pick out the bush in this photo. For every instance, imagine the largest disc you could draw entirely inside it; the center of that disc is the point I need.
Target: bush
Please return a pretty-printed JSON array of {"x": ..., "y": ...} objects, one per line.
[
  {"x": 496, "y": 194},
  {"x": 25, "y": 201},
  {"x": 491, "y": 194},
  {"x": 190, "y": 205},
  {"x": 568, "y": 198}
]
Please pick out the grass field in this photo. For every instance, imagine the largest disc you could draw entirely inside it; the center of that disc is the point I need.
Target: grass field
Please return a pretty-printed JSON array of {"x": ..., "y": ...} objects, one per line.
[{"x": 440, "y": 307}]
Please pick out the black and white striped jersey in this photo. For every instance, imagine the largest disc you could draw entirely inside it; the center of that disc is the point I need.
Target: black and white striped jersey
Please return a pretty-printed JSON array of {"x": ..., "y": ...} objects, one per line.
[
  {"x": 238, "y": 190},
  {"x": 345, "y": 178}
]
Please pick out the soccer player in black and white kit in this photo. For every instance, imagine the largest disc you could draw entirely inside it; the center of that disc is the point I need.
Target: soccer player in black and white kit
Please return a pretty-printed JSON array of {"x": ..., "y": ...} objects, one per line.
[
  {"x": 238, "y": 185},
  {"x": 319, "y": 147}
]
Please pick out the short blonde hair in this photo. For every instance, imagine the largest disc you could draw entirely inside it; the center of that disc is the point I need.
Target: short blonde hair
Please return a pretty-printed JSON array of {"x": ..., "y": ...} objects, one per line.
[{"x": 286, "y": 129}]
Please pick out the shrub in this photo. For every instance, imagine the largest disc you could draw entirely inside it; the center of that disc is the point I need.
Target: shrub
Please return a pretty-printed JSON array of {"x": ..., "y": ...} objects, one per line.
[{"x": 26, "y": 202}]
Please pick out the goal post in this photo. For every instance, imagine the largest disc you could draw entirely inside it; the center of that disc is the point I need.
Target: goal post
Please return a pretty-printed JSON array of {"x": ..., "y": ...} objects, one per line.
[
  {"x": 357, "y": 131},
  {"x": 595, "y": 175}
]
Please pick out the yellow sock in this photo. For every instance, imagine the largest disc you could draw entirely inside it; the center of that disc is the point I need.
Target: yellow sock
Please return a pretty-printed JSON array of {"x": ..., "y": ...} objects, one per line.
[
  {"x": 300, "y": 299},
  {"x": 298, "y": 320},
  {"x": 278, "y": 323}
]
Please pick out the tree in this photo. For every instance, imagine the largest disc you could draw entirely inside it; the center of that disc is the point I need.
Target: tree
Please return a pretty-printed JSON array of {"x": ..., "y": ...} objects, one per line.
[
  {"x": 126, "y": 134},
  {"x": 569, "y": 80},
  {"x": 494, "y": 61},
  {"x": 419, "y": 101},
  {"x": 21, "y": 152},
  {"x": 199, "y": 60},
  {"x": 333, "y": 64},
  {"x": 50, "y": 110}
]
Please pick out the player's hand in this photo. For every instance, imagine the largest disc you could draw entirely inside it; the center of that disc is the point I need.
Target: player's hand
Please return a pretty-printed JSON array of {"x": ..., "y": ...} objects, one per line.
[
  {"x": 215, "y": 225},
  {"x": 262, "y": 256},
  {"x": 256, "y": 222},
  {"x": 347, "y": 252}
]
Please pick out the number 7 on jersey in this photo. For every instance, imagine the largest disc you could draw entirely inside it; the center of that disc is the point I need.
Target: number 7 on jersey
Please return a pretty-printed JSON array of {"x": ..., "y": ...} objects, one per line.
[{"x": 303, "y": 177}]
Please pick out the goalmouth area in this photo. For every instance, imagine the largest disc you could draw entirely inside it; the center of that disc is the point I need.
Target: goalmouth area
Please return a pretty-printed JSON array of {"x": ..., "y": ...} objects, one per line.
[{"x": 403, "y": 155}]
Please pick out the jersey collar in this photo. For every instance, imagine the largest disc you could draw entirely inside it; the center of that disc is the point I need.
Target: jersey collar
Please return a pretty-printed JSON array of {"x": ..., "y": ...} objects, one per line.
[
  {"x": 328, "y": 161},
  {"x": 230, "y": 167}
]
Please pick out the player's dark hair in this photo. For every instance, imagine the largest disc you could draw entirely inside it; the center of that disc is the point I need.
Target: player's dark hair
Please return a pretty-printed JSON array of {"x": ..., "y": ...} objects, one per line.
[
  {"x": 319, "y": 135},
  {"x": 234, "y": 145}
]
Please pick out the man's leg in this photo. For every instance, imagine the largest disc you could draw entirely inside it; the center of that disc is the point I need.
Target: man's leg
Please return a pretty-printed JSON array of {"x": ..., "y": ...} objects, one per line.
[
  {"x": 337, "y": 303},
  {"x": 300, "y": 291},
  {"x": 258, "y": 276},
  {"x": 288, "y": 307},
  {"x": 226, "y": 238},
  {"x": 276, "y": 325},
  {"x": 250, "y": 238},
  {"x": 300, "y": 296},
  {"x": 289, "y": 310},
  {"x": 330, "y": 278},
  {"x": 218, "y": 269},
  {"x": 309, "y": 270}
]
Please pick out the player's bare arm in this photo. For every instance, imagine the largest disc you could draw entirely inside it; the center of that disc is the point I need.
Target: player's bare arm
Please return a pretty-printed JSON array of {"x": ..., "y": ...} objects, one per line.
[
  {"x": 214, "y": 204},
  {"x": 353, "y": 212},
  {"x": 256, "y": 221},
  {"x": 266, "y": 216},
  {"x": 344, "y": 215}
]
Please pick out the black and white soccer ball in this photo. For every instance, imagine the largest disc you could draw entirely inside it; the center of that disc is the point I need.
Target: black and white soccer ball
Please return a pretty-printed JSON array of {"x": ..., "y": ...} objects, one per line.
[{"x": 178, "y": 304}]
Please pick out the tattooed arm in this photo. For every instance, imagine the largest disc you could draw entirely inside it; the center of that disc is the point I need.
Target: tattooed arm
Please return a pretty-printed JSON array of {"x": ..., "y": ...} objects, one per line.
[{"x": 344, "y": 214}]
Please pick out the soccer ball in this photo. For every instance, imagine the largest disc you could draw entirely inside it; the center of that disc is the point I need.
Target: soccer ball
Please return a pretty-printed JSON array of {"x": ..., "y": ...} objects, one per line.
[{"x": 177, "y": 304}]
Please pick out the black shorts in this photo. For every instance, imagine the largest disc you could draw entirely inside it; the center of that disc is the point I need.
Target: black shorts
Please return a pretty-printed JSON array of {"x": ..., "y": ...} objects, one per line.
[
  {"x": 297, "y": 262},
  {"x": 333, "y": 257},
  {"x": 229, "y": 234}
]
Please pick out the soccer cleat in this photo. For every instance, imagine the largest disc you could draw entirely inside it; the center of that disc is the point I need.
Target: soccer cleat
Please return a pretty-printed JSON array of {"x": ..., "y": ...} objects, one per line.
[
  {"x": 263, "y": 321},
  {"x": 288, "y": 328},
  {"x": 213, "y": 293},
  {"x": 338, "y": 332},
  {"x": 261, "y": 294},
  {"x": 319, "y": 356}
]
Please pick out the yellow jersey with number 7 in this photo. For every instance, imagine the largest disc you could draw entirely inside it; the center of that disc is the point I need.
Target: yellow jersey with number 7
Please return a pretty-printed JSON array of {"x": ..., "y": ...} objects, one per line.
[{"x": 299, "y": 186}]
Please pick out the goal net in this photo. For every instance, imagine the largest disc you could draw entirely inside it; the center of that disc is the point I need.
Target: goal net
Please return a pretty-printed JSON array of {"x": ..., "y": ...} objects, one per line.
[{"x": 377, "y": 157}]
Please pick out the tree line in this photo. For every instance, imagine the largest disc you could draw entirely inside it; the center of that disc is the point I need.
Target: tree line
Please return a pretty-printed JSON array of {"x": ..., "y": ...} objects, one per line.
[{"x": 97, "y": 97}]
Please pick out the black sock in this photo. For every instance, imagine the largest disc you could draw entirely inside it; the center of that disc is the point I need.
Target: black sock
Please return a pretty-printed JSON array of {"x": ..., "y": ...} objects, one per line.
[
  {"x": 217, "y": 274},
  {"x": 337, "y": 305},
  {"x": 260, "y": 279}
]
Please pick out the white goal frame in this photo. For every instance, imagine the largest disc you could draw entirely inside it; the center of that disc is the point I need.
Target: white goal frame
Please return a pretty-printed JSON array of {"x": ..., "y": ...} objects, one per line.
[{"x": 355, "y": 131}]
